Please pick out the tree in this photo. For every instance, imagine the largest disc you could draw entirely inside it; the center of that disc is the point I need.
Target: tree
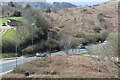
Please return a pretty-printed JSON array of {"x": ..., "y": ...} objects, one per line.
[
  {"x": 48, "y": 10},
  {"x": 17, "y": 14},
  {"x": 34, "y": 28},
  {"x": 11, "y": 4},
  {"x": 27, "y": 6},
  {"x": 67, "y": 40}
]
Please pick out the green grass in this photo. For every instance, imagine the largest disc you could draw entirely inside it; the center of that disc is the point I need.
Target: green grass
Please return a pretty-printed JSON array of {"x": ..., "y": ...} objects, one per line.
[
  {"x": 86, "y": 53},
  {"x": 7, "y": 55},
  {"x": 4, "y": 20},
  {"x": 10, "y": 34},
  {"x": 29, "y": 55}
]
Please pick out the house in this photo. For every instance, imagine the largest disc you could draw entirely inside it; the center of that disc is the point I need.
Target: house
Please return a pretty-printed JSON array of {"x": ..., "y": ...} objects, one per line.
[{"x": 12, "y": 22}]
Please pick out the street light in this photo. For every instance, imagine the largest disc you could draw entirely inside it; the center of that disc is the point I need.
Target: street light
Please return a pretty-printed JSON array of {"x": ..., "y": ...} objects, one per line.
[{"x": 16, "y": 59}]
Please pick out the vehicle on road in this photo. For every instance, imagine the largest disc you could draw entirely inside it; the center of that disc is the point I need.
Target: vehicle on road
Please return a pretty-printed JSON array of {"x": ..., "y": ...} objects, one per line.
[
  {"x": 41, "y": 54},
  {"x": 3, "y": 24},
  {"x": 81, "y": 46}
]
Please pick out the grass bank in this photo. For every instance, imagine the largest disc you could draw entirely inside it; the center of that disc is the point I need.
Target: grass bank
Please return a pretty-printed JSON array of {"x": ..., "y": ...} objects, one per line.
[{"x": 7, "y": 55}]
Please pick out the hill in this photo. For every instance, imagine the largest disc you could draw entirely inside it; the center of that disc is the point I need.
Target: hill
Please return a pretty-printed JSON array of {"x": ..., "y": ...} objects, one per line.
[
  {"x": 60, "y": 66},
  {"x": 88, "y": 17}
]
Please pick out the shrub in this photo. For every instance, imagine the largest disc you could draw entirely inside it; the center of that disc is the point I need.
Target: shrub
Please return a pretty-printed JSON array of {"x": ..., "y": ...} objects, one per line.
[
  {"x": 97, "y": 29},
  {"x": 84, "y": 11},
  {"x": 110, "y": 48},
  {"x": 48, "y": 10},
  {"x": 8, "y": 46},
  {"x": 80, "y": 35},
  {"x": 89, "y": 38},
  {"x": 92, "y": 38},
  {"x": 101, "y": 17}
]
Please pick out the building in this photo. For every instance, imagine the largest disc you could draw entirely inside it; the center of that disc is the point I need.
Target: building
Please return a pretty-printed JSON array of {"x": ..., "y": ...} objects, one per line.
[{"x": 13, "y": 22}]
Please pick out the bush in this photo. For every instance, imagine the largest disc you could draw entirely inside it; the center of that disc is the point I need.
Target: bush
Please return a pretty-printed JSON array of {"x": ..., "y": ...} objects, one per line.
[
  {"x": 84, "y": 11},
  {"x": 101, "y": 17},
  {"x": 8, "y": 46},
  {"x": 110, "y": 48},
  {"x": 89, "y": 38},
  {"x": 48, "y": 10},
  {"x": 97, "y": 29},
  {"x": 80, "y": 35},
  {"x": 92, "y": 38}
]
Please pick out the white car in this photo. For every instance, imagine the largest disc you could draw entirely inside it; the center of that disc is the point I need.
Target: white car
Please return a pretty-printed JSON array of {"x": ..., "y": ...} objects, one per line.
[{"x": 41, "y": 54}]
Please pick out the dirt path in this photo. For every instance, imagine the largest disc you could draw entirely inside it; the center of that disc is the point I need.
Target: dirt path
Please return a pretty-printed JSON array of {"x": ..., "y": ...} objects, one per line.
[{"x": 4, "y": 29}]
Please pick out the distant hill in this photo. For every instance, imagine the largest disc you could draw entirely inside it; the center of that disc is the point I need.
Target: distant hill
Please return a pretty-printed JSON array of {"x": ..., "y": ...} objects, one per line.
[
  {"x": 63, "y": 5},
  {"x": 45, "y": 5}
]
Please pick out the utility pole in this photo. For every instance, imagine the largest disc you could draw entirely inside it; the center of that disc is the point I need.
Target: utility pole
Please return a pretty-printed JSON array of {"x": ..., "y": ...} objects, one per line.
[{"x": 16, "y": 49}]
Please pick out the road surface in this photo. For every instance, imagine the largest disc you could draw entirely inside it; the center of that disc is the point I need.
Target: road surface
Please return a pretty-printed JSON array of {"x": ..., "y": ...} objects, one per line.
[{"x": 9, "y": 65}]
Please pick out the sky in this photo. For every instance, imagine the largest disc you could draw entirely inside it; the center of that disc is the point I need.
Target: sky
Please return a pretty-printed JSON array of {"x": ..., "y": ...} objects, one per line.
[
  {"x": 76, "y": 2},
  {"x": 80, "y": 2}
]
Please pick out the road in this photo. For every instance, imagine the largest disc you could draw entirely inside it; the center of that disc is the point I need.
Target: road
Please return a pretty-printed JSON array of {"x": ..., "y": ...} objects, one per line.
[{"x": 9, "y": 65}]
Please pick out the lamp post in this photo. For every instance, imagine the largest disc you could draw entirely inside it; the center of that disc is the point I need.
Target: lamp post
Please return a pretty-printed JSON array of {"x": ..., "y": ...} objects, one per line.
[
  {"x": 16, "y": 48},
  {"x": 32, "y": 32},
  {"x": 16, "y": 59}
]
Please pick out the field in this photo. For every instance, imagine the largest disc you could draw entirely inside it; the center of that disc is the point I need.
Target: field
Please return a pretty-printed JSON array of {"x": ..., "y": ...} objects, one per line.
[
  {"x": 60, "y": 66},
  {"x": 10, "y": 34}
]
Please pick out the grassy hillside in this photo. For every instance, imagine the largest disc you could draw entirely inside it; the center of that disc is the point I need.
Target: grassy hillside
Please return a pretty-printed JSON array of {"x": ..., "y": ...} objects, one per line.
[
  {"x": 86, "y": 18},
  {"x": 10, "y": 34},
  {"x": 61, "y": 66}
]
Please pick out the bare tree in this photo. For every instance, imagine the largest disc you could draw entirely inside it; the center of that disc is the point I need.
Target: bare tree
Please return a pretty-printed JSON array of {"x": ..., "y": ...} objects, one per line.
[{"x": 67, "y": 39}]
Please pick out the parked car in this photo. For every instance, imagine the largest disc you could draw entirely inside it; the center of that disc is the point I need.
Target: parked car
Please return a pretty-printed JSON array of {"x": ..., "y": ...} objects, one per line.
[
  {"x": 41, "y": 54},
  {"x": 82, "y": 46},
  {"x": 3, "y": 24}
]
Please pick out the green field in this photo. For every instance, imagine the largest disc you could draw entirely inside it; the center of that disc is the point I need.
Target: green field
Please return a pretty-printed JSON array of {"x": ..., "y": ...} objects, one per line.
[
  {"x": 10, "y": 34},
  {"x": 7, "y": 55},
  {"x": 4, "y": 20}
]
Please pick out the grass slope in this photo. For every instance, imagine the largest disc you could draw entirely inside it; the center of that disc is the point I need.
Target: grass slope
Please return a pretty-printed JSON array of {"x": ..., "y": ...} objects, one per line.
[{"x": 10, "y": 34}]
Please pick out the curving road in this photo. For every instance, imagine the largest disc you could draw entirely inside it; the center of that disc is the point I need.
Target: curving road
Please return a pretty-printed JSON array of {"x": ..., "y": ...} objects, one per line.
[{"x": 8, "y": 65}]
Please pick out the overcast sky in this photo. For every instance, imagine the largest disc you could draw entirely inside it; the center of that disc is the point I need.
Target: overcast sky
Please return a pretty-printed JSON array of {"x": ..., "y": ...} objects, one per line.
[
  {"x": 76, "y": 0},
  {"x": 80, "y": 2}
]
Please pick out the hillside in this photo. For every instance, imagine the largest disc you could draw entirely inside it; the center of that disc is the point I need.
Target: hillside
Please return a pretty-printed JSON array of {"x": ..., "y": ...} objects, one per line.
[
  {"x": 104, "y": 16},
  {"x": 61, "y": 66}
]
